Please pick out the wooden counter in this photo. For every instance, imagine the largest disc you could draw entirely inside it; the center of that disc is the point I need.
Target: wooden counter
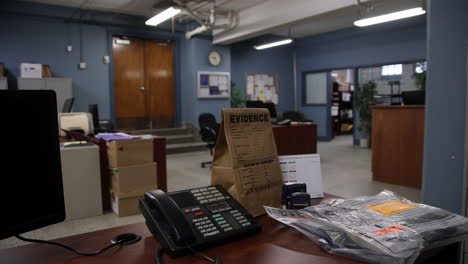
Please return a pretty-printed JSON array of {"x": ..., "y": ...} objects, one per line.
[{"x": 397, "y": 144}]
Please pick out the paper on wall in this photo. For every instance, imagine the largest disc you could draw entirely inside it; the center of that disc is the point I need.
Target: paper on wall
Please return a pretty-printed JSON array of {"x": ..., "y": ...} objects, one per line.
[
  {"x": 223, "y": 87},
  {"x": 269, "y": 94},
  {"x": 222, "y": 80},
  {"x": 258, "y": 79},
  {"x": 204, "y": 92},
  {"x": 275, "y": 98},
  {"x": 213, "y": 80},
  {"x": 250, "y": 80},
  {"x": 270, "y": 81},
  {"x": 305, "y": 169}
]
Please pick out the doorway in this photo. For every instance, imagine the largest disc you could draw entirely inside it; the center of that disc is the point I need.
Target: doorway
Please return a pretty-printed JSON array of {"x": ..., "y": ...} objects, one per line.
[
  {"x": 342, "y": 105},
  {"x": 143, "y": 83}
]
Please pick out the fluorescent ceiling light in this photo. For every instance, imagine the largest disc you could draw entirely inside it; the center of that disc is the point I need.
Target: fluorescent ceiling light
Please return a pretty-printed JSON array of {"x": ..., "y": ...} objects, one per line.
[
  {"x": 390, "y": 17},
  {"x": 163, "y": 16},
  {"x": 273, "y": 44}
]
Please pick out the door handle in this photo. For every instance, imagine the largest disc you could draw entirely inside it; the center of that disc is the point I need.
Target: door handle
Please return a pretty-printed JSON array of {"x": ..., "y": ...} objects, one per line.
[{"x": 142, "y": 89}]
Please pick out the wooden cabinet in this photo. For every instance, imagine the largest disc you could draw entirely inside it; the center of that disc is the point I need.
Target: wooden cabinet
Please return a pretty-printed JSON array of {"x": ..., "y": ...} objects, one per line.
[
  {"x": 295, "y": 139},
  {"x": 397, "y": 144}
]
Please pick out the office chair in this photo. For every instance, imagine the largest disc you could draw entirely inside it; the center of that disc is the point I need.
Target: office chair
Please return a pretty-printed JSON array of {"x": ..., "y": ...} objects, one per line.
[
  {"x": 209, "y": 129},
  {"x": 99, "y": 125},
  {"x": 272, "y": 108},
  {"x": 67, "y": 105}
]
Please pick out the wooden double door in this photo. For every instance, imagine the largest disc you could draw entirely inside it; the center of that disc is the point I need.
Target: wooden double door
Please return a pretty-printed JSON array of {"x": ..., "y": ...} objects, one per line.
[{"x": 143, "y": 84}]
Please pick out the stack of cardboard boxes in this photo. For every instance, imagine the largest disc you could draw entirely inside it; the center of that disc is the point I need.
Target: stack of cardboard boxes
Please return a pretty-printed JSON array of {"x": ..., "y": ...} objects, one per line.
[{"x": 133, "y": 172}]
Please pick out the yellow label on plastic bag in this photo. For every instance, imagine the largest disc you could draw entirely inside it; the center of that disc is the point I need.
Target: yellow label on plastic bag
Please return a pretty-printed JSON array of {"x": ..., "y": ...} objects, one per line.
[{"x": 391, "y": 207}]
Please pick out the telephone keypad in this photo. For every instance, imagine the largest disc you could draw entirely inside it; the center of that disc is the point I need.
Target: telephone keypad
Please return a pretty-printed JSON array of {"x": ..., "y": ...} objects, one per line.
[{"x": 224, "y": 217}]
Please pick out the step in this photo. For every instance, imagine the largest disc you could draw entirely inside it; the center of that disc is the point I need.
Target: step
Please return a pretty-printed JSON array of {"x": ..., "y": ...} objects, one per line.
[
  {"x": 164, "y": 131},
  {"x": 186, "y": 147},
  {"x": 184, "y": 138}
]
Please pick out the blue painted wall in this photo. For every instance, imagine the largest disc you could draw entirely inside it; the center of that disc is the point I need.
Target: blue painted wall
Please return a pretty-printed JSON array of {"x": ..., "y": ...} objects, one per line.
[
  {"x": 197, "y": 51},
  {"x": 279, "y": 60},
  {"x": 445, "y": 104},
  {"x": 38, "y": 33},
  {"x": 400, "y": 41},
  {"x": 42, "y": 41}
]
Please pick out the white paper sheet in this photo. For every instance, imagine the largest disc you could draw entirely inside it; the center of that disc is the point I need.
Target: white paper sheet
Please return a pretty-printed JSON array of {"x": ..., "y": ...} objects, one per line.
[
  {"x": 305, "y": 169},
  {"x": 334, "y": 110},
  {"x": 275, "y": 99},
  {"x": 258, "y": 79},
  {"x": 223, "y": 87},
  {"x": 269, "y": 94},
  {"x": 222, "y": 80},
  {"x": 250, "y": 80},
  {"x": 204, "y": 92},
  {"x": 213, "y": 80}
]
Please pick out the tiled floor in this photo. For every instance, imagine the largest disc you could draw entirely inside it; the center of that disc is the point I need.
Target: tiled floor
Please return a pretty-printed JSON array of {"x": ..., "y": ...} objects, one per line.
[{"x": 346, "y": 171}]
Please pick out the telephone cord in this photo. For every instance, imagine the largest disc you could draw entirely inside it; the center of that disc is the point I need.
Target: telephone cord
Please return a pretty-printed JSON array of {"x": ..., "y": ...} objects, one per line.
[{"x": 118, "y": 243}]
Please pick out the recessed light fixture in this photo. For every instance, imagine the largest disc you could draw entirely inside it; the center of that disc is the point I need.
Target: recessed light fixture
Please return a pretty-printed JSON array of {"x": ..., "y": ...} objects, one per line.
[
  {"x": 390, "y": 17},
  {"x": 273, "y": 44},
  {"x": 163, "y": 16}
]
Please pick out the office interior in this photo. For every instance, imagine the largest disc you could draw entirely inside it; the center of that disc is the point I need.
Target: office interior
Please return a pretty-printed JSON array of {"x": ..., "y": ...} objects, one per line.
[{"x": 79, "y": 41}]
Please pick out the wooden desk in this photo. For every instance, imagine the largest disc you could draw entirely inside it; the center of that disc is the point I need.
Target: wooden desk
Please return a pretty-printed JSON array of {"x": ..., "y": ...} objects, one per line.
[
  {"x": 276, "y": 243},
  {"x": 397, "y": 144},
  {"x": 295, "y": 139}
]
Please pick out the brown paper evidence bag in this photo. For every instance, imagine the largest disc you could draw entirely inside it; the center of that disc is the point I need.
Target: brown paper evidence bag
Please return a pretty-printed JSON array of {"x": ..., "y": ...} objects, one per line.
[{"x": 245, "y": 160}]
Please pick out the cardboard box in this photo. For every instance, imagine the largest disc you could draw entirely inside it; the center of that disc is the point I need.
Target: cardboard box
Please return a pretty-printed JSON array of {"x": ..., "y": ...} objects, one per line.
[
  {"x": 132, "y": 180},
  {"x": 130, "y": 152},
  {"x": 46, "y": 72},
  {"x": 30, "y": 70},
  {"x": 126, "y": 205}
]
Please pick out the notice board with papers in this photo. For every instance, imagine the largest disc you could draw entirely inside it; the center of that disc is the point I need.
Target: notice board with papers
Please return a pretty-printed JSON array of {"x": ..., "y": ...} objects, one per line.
[
  {"x": 262, "y": 87},
  {"x": 214, "y": 84}
]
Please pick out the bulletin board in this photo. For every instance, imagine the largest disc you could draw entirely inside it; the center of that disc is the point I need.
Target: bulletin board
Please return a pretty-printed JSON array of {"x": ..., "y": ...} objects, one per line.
[
  {"x": 214, "y": 84},
  {"x": 262, "y": 87}
]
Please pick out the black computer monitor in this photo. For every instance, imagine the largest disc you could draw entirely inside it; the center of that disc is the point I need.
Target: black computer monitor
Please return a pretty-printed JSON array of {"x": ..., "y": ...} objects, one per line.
[
  {"x": 260, "y": 104},
  {"x": 413, "y": 97},
  {"x": 31, "y": 193},
  {"x": 255, "y": 104},
  {"x": 271, "y": 107}
]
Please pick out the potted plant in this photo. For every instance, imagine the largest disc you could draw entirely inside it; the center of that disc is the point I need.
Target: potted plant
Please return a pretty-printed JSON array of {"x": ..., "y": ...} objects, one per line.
[
  {"x": 366, "y": 98},
  {"x": 236, "y": 99},
  {"x": 420, "y": 75}
]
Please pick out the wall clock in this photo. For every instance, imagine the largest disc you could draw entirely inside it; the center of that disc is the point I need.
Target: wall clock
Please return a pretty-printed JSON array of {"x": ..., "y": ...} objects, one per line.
[{"x": 214, "y": 58}]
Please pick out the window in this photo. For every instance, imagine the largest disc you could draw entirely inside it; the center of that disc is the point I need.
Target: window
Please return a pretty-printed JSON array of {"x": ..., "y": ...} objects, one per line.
[
  {"x": 420, "y": 67},
  {"x": 316, "y": 88},
  {"x": 392, "y": 70}
]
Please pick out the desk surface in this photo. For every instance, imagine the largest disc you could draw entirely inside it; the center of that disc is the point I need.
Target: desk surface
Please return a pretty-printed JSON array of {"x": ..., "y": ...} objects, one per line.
[{"x": 276, "y": 243}]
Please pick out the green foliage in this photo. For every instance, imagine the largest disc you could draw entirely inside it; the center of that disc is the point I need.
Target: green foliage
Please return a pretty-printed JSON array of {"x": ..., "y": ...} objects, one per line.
[
  {"x": 236, "y": 96},
  {"x": 366, "y": 98}
]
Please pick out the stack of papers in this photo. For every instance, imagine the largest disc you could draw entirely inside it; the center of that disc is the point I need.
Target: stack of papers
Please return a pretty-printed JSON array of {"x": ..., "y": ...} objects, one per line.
[{"x": 121, "y": 136}]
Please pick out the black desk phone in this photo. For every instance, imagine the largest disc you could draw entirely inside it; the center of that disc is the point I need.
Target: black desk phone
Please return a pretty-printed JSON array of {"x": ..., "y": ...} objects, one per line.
[{"x": 195, "y": 218}]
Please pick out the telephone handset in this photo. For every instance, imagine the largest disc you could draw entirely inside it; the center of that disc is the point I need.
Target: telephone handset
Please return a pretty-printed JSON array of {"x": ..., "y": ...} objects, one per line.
[
  {"x": 179, "y": 229},
  {"x": 195, "y": 219}
]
